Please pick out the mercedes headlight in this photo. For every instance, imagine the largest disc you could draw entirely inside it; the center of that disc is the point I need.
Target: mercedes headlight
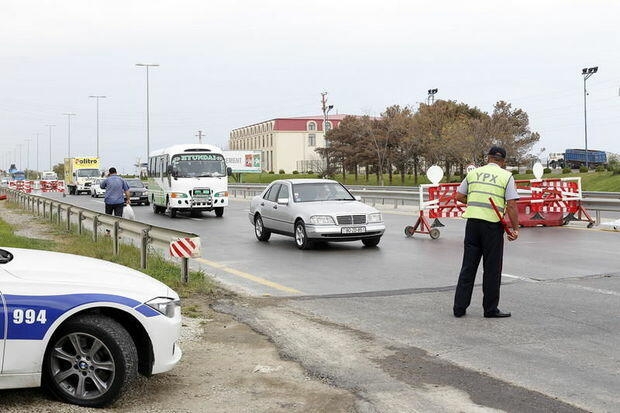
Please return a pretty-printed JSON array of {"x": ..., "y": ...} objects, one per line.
[
  {"x": 374, "y": 218},
  {"x": 166, "y": 306},
  {"x": 322, "y": 220}
]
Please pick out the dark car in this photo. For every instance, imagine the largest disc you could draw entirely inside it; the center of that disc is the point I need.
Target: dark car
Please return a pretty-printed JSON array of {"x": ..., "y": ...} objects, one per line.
[{"x": 138, "y": 192}]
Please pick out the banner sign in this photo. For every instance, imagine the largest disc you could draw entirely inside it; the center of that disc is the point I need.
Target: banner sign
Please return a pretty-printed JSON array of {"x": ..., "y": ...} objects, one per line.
[{"x": 244, "y": 161}]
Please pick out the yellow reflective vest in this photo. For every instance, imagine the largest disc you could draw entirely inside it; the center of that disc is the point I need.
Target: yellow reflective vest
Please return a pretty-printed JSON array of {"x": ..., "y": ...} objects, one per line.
[{"x": 484, "y": 182}]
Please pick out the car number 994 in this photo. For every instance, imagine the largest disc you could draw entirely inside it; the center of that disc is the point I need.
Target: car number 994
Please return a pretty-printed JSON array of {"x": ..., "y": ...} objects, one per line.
[
  {"x": 353, "y": 230},
  {"x": 29, "y": 316}
]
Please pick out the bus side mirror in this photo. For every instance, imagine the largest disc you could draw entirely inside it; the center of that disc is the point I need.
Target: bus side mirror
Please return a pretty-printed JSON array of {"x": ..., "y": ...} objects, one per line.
[{"x": 229, "y": 171}]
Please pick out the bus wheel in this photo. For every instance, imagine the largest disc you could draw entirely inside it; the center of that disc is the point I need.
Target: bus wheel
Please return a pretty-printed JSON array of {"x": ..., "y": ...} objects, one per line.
[
  {"x": 219, "y": 211},
  {"x": 173, "y": 213}
]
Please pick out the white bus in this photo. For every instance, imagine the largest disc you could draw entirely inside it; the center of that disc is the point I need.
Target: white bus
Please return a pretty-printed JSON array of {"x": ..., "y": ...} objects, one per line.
[{"x": 188, "y": 178}]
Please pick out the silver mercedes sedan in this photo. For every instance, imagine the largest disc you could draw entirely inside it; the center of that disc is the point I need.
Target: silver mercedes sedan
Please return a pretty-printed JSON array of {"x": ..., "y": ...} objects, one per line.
[{"x": 314, "y": 210}]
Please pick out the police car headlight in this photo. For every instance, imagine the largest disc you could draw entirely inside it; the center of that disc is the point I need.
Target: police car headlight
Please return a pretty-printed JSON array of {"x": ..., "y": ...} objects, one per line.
[
  {"x": 166, "y": 306},
  {"x": 178, "y": 195},
  {"x": 321, "y": 220},
  {"x": 374, "y": 218},
  {"x": 220, "y": 194}
]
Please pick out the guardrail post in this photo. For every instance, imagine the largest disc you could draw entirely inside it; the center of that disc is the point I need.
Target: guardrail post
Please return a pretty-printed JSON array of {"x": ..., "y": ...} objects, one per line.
[
  {"x": 144, "y": 243},
  {"x": 80, "y": 217},
  {"x": 184, "y": 270},
  {"x": 51, "y": 211},
  {"x": 59, "y": 212},
  {"x": 68, "y": 218},
  {"x": 115, "y": 237},
  {"x": 95, "y": 225},
  {"x": 598, "y": 217}
]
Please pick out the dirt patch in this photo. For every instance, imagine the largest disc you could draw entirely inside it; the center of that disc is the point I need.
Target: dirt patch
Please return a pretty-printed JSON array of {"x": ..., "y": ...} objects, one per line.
[{"x": 226, "y": 367}]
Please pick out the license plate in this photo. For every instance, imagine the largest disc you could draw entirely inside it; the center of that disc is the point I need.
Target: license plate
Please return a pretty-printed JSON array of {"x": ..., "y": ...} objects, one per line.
[
  {"x": 135, "y": 198},
  {"x": 353, "y": 230}
]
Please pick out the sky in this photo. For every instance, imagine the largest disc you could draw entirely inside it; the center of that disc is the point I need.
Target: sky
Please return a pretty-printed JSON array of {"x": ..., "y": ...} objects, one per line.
[{"x": 227, "y": 64}]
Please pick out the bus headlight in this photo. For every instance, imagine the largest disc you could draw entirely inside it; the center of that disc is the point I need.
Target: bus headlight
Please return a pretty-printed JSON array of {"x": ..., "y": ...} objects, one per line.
[
  {"x": 178, "y": 195},
  {"x": 221, "y": 194}
]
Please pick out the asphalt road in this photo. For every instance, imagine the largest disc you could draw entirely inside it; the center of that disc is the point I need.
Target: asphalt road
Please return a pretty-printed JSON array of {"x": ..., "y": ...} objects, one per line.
[{"x": 562, "y": 285}]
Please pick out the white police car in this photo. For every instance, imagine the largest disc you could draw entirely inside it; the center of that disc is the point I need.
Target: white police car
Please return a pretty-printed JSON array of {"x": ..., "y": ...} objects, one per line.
[{"x": 82, "y": 328}]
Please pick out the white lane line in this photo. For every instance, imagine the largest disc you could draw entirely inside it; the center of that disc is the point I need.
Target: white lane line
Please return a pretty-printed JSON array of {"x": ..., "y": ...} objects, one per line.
[{"x": 573, "y": 286}]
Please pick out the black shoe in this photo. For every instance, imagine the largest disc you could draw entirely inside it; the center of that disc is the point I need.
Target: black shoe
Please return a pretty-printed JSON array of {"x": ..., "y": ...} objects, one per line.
[
  {"x": 458, "y": 312},
  {"x": 497, "y": 314}
]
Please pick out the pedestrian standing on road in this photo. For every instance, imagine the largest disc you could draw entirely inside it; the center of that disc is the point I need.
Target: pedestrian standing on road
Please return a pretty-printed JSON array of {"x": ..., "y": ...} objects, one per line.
[
  {"x": 116, "y": 193},
  {"x": 484, "y": 233}
]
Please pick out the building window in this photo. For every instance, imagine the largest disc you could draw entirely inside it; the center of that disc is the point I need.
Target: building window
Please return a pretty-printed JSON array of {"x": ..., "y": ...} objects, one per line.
[
  {"x": 311, "y": 139},
  {"x": 311, "y": 126}
]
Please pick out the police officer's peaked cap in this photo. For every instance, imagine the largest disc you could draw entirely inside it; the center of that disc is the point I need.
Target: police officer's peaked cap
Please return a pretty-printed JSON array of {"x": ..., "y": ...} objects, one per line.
[{"x": 498, "y": 152}]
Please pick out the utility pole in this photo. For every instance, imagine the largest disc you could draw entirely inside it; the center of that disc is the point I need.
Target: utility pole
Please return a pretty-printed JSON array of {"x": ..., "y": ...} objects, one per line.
[
  {"x": 326, "y": 108},
  {"x": 50, "y": 135},
  {"x": 199, "y": 134}
]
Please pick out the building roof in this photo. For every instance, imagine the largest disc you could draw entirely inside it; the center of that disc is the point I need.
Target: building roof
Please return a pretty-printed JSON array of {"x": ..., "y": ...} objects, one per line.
[{"x": 298, "y": 123}]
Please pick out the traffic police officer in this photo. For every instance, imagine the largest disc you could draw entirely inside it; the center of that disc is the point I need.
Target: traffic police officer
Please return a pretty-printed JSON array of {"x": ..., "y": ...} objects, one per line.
[{"x": 484, "y": 234}]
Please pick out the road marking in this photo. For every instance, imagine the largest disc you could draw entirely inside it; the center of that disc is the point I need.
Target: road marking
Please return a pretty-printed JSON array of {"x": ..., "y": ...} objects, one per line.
[
  {"x": 568, "y": 285},
  {"x": 250, "y": 277}
]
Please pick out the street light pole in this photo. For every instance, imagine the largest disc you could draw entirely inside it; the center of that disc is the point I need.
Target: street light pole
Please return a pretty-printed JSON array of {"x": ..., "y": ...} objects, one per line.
[
  {"x": 97, "y": 97},
  {"x": 147, "y": 65},
  {"x": 37, "y": 151},
  {"x": 50, "y": 135},
  {"x": 326, "y": 108},
  {"x": 68, "y": 115},
  {"x": 27, "y": 155},
  {"x": 586, "y": 72},
  {"x": 431, "y": 96}
]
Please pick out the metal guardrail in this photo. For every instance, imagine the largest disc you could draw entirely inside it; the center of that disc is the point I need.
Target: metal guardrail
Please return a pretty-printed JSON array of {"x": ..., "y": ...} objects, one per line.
[
  {"x": 409, "y": 196},
  {"x": 143, "y": 236}
]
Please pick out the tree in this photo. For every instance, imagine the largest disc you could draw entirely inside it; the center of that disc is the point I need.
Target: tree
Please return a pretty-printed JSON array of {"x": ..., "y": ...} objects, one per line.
[{"x": 510, "y": 128}]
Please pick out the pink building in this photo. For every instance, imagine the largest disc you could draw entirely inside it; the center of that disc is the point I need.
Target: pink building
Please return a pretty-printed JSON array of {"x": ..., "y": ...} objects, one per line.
[{"x": 286, "y": 143}]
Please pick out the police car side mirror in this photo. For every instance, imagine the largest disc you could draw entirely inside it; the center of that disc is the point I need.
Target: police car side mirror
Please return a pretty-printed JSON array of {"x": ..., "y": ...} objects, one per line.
[{"x": 229, "y": 171}]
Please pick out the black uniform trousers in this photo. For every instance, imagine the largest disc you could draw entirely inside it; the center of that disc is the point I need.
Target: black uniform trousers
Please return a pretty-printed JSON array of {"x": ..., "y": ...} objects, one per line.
[{"x": 483, "y": 239}]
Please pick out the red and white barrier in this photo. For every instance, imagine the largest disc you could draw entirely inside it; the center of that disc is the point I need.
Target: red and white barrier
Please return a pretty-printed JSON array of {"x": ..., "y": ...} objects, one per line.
[
  {"x": 185, "y": 247},
  {"x": 544, "y": 202}
]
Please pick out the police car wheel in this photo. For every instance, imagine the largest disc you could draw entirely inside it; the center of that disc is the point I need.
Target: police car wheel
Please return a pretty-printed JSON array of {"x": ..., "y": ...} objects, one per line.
[{"x": 89, "y": 362}]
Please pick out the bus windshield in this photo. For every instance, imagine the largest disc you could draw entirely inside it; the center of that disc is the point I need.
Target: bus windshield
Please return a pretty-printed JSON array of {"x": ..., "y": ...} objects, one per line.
[{"x": 197, "y": 165}]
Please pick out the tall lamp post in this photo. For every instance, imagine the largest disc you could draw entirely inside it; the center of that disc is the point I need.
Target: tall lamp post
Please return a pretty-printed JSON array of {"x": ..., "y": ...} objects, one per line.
[
  {"x": 586, "y": 72},
  {"x": 27, "y": 156},
  {"x": 50, "y": 136},
  {"x": 431, "y": 96},
  {"x": 68, "y": 115},
  {"x": 97, "y": 97},
  {"x": 147, "y": 65},
  {"x": 326, "y": 108}
]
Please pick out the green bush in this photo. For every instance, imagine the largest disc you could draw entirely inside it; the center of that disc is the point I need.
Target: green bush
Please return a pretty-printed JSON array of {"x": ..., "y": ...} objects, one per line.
[
  {"x": 566, "y": 170},
  {"x": 271, "y": 172},
  {"x": 528, "y": 171},
  {"x": 515, "y": 172},
  {"x": 600, "y": 168},
  {"x": 281, "y": 172},
  {"x": 583, "y": 169},
  {"x": 547, "y": 170},
  {"x": 616, "y": 172},
  {"x": 295, "y": 172}
]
